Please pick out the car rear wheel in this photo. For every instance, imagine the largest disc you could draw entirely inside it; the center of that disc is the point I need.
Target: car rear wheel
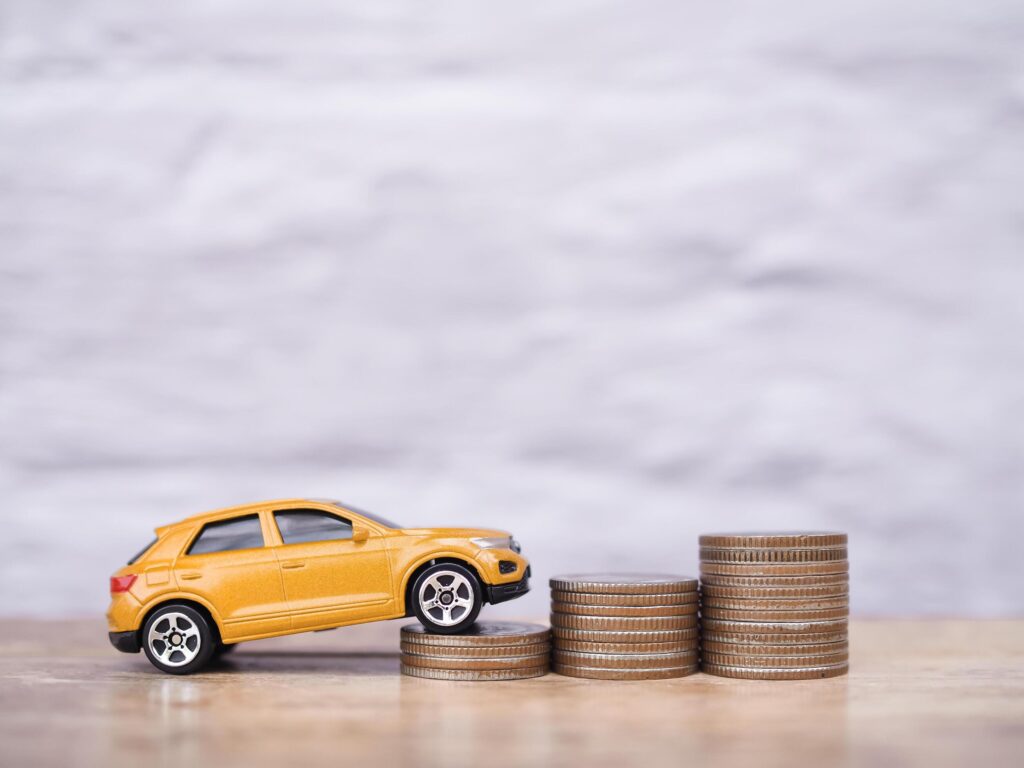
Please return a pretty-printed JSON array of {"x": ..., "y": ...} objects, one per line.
[
  {"x": 178, "y": 640},
  {"x": 447, "y": 598}
]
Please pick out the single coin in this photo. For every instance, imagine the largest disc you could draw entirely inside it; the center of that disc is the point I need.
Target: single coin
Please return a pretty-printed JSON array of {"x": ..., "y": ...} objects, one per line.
[
  {"x": 444, "y": 662},
  {"x": 775, "y": 638},
  {"x": 761, "y": 673},
  {"x": 575, "y": 609},
  {"x": 597, "y": 673},
  {"x": 481, "y": 652},
  {"x": 714, "y": 555},
  {"x": 586, "y": 646},
  {"x": 562, "y": 634},
  {"x": 774, "y": 662},
  {"x": 622, "y": 622},
  {"x": 776, "y": 581},
  {"x": 725, "y": 626},
  {"x": 826, "y": 592},
  {"x": 774, "y": 649},
  {"x": 624, "y": 583},
  {"x": 481, "y": 633},
  {"x": 773, "y": 569},
  {"x": 467, "y": 675},
  {"x": 711, "y": 612},
  {"x": 593, "y": 598},
  {"x": 762, "y": 604},
  {"x": 763, "y": 539},
  {"x": 625, "y": 660}
]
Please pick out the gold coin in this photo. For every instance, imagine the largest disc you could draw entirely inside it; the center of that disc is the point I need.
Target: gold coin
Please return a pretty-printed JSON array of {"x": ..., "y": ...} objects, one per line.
[
  {"x": 625, "y": 660},
  {"x": 709, "y": 554},
  {"x": 761, "y": 540},
  {"x": 482, "y": 652},
  {"x": 444, "y": 662},
  {"x": 624, "y": 583},
  {"x": 586, "y": 646},
  {"x": 789, "y": 604},
  {"x": 711, "y": 612},
  {"x": 774, "y": 662},
  {"x": 827, "y": 591},
  {"x": 596, "y": 673},
  {"x": 774, "y": 649},
  {"x": 777, "y": 581},
  {"x": 475, "y": 674},
  {"x": 759, "y": 673},
  {"x": 773, "y": 569},
  {"x": 593, "y": 598},
  {"x": 575, "y": 609},
  {"x": 621, "y": 622},
  {"x": 481, "y": 633},
  {"x": 562, "y": 634},
  {"x": 725, "y": 626},
  {"x": 775, "y": 638}
]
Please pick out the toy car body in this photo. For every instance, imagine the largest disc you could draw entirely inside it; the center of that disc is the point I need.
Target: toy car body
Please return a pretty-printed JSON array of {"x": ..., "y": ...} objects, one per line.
[{"x": 297, "y": 565}]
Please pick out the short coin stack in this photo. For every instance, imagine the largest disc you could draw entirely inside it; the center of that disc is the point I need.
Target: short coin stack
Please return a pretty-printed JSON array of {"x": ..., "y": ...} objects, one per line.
[
  {"x": 485, "y": 651},
  {"x": 624, "y": 626},
  {"x": 774, "y": 606}
]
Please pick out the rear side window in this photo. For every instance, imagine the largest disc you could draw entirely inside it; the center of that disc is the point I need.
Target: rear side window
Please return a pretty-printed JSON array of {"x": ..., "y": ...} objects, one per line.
[
  {"x": 298, "y": 526},
  {"x": 228, "y": 535}
]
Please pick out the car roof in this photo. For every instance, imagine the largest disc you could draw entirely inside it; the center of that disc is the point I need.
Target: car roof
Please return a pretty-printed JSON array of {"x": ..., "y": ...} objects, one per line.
[{"x": 240, "y": 509}]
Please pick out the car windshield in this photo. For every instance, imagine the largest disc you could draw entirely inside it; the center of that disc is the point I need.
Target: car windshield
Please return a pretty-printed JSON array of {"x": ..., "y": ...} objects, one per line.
[{"x": 368, "y": 515}]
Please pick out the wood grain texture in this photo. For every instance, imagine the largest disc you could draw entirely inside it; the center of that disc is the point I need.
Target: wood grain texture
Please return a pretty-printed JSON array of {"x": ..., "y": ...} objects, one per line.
[{"x": 920, "y": 693}]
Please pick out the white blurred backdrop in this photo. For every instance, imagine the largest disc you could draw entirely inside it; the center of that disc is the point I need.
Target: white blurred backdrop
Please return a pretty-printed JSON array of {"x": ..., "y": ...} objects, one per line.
[{"x": 606, "y": 275}]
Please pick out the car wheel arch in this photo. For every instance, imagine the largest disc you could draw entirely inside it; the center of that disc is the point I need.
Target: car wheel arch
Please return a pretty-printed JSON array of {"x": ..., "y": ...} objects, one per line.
[
  {"x": 413, "y": 573},
  {"x": 191, "y": 602}
]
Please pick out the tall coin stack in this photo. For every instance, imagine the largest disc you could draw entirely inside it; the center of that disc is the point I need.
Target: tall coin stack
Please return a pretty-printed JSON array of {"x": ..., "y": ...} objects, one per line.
[
  {"x": 774, "y": 606},
  {"x": 624, "y": 626},
  {"x": 486, "y": 651}
]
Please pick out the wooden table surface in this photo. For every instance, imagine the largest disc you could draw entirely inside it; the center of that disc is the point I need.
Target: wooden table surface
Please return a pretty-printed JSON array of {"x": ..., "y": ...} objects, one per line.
[{"x": 920, "y": 692}]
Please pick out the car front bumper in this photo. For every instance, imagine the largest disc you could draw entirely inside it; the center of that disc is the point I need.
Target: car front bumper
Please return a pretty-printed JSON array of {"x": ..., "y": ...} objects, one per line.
[
  {"x": 499, "y": 593},
  {"x": 125, "y": 642}
]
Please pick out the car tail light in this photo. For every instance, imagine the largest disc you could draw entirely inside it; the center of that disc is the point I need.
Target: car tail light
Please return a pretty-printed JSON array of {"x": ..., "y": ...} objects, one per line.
[{"x": 122, "y": 583}]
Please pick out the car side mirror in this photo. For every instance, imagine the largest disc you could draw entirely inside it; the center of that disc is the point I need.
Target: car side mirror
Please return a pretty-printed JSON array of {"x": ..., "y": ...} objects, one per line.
[{"x": 360, "y": 534}]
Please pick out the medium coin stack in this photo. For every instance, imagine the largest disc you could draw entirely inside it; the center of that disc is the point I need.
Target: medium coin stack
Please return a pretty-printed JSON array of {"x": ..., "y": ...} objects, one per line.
[
  {"x": 774, "y": 606},
  {"x": 486, "y": 651},
  {"x": 624, "y": 626}
]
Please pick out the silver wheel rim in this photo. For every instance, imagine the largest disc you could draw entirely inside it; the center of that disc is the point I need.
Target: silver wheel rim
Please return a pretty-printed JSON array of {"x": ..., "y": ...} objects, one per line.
[
  {"x": 174, "y": 639},
  {"x": 446, "y": 597}
]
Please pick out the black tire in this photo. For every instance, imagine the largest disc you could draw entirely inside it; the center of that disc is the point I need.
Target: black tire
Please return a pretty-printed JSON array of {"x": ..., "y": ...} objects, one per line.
[
  {"x": 223, "y": 649},
  {"x": 446, "y": 615},
  {"x": 178, "y": 639}
]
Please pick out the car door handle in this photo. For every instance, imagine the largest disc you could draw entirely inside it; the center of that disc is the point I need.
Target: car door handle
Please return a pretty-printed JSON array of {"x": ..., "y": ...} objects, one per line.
[
  {"x": 190, "y": 575},
  {"x": 293, "y": 564}
]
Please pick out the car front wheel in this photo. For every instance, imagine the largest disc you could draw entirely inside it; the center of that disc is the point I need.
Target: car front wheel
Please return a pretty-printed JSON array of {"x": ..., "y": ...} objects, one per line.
[
  {"x": 447, "y": 598},
  {"x": 178, "y": 640}
]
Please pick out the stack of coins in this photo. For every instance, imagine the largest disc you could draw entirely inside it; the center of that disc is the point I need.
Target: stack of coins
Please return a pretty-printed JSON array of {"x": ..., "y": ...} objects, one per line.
[
  {"x": 624, "y": 626},
  {"x": 774, "y": 606},
  {"x": 486, "y": 651}
]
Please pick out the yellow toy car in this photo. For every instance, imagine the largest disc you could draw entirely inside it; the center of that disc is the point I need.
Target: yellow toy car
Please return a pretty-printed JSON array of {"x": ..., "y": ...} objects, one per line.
[{"x": 298, "y": 565}]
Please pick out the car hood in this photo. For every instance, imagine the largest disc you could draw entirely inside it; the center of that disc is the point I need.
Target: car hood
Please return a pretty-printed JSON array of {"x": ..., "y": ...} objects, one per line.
[{"x": 455, "y": 533}]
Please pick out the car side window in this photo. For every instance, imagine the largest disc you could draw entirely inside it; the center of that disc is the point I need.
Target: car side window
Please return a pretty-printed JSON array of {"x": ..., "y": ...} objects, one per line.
[
  {"x": 228, "y": 535},
  {"x": 298, "y": 526}
]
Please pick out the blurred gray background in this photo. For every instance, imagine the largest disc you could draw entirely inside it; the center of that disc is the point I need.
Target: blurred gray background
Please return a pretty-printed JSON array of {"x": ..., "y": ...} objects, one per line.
[{"x": 607, "y": 275}]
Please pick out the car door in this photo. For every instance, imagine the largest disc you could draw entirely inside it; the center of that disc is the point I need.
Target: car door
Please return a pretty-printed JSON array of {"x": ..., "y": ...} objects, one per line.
[
  {"x": 329, "y": 578},
  {"x": 229, "y": 566}
]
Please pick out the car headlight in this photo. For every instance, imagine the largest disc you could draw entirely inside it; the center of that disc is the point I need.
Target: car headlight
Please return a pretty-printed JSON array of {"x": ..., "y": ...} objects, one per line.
[{"x": 493, "y": 542}]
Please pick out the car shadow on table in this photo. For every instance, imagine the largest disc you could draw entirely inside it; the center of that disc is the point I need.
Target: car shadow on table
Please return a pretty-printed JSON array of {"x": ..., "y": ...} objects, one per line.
[{"x": 298, "y": 661}]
